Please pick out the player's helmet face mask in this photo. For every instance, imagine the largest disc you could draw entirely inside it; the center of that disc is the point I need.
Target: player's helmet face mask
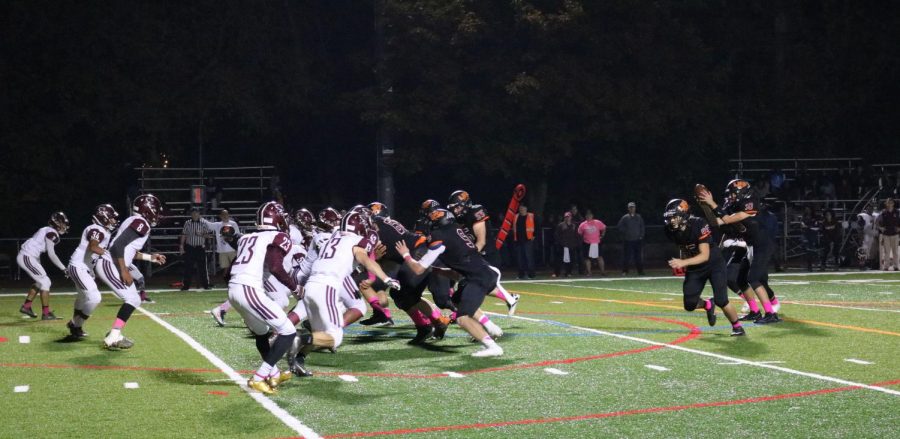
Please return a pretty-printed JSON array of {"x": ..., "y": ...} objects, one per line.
[
  {"x": 676, "y": 215},
  {"x": 379, "y": 209},
  {"x": 330, "y": 218},
  {"x": 149, "y": 207},
  {"x": 440, "y": 218},
  {"x": 105, "y": 216},
  {"x": 60, "y": 222},
  {"x": 737, "y": 189},
  {"x": 459, "y": 202},
  {"x": 304, "y": 219},
  {"x": 355, "y": 222},
  {"x": 271, "y": 216}
]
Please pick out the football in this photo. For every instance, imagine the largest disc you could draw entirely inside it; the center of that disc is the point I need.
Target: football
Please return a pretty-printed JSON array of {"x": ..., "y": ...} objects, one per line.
[{"x": 699, "y": 189}]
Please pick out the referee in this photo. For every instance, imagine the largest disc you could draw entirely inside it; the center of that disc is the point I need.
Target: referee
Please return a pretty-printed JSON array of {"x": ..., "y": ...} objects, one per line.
[{"x": 193, "y": 243}]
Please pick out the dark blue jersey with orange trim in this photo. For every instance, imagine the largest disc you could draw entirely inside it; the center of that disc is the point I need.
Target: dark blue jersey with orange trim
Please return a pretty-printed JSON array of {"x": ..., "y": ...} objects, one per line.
[
  {"x": 476, "y": 214},
  {"x": 458, "y": 252},
  {"x": 390, "y": 232},
  {"x": 751, "y": 231},
  {"x": 688, "y": 241}
]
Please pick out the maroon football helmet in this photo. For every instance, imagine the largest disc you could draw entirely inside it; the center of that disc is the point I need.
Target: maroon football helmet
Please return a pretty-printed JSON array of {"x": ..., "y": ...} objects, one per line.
[
  {"x": 149, "y": 207},
  {"x": 106, "y": 216},
  {"x": 356, "y": 222},
  {"x": 271, "y": 216},
  {"x": 60, "y": 222},
  {"x": 304, "y": 219},
  {"x": 330, "y": 217}
]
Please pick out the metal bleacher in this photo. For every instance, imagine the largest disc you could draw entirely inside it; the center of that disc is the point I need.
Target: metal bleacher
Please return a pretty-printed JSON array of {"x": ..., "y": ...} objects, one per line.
[{"x": 239, "y": 189}]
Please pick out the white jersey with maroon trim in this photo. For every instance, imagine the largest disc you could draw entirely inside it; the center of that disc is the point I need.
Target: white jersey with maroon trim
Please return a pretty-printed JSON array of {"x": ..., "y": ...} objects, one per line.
[
  {"x": 37, "y": 244},
  {"x": 141, "y": 227},
  {"x": 249, "y": 267},
  {"x": 335, "y": 260},
  {"x": 83, "y": 257}
]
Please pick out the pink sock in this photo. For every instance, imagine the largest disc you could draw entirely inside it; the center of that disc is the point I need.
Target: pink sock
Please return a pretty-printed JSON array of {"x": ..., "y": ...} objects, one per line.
[
  {"x": 736, "y": 325},
  {"x": 707, "y": 305},
  {"x": 751, "y": 303},
  {"x": 499, "y": 293},
  {"x": 418, "y": 318},
  {"x": 775, "y": 301},
  {"x": 377, "y": 306},
  {"x": 119, "y": 324},
  {"x": 436, "y": 314},
  {"x": 45, "y": 310},
  {"x": 453, "y": 315},
  {"x": 451, "y": 292},
  {"x": 768, "y": 307},
  {"x": 484, "y": 319},
  {"x": 225, "y": 306}
]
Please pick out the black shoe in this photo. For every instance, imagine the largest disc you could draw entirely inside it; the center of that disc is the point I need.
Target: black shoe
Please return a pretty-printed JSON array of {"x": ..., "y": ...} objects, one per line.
[
  {"x": 306, "y": 325},
  {"x": 711, "y": 316},
  {"x": 768, "y": 318},
  {"x": 440, "y": 328},
  {"x": 751, "y": 317},
  {"x": 49, "y": 316},
  {"x": 185, "y": 288},
  {"x": 298, "y": 366},
  {"x": 377, "y": 317},
  {"x": 28, "y": 312},
  {"x": 146, "y": 299},
  {"x": 76, "y": 331},
  {"x": 422, "y": 333},
  {"x": 209, "y": 287},
  {"x": 738, "y": 332}
]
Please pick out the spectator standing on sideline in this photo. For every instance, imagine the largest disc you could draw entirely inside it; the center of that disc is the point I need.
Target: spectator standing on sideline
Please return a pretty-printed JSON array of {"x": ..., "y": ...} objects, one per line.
[
  {"x": 631, "y": 225},
  {"x": 523, "y": 237},
  {"x": 576, "y": 217},
  {"x": 592, "y": 231},
  {"x": 193, "y": 250},
  {"x": 831, "y": 240},
  {"x": 225, "y": 251},
  {"x": 569, "y": 243},
  {"x": 889, "y": 226},
  {"x": 810, "y": 226}
]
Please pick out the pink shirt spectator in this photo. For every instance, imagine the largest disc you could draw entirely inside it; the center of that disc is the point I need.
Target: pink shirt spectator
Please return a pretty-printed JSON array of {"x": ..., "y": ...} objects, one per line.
[{"x": 590, "y": 231}]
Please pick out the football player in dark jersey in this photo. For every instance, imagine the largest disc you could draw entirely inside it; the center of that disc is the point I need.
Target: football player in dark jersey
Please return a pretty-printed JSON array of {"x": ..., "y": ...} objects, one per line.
[
  {"x": 740, "y": 209},
  {"x": 473, "y": 219},
  {"x": 449, "y": 243},
  {"x": 702, "y": 262}
]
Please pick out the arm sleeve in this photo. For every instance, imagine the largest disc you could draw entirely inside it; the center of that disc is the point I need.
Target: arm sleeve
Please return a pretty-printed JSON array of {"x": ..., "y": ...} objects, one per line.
[
  {"x": 301, "y": 274},
  {"x": 275, "y": 264},
  {"x": 431, "y": 256},
  {"x": 51, "y": 252},
  {"x": 117, "y": 250}
]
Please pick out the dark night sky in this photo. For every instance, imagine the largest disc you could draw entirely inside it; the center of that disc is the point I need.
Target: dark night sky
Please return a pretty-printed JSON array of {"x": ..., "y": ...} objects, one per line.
[{"x": 597, "y": 101}]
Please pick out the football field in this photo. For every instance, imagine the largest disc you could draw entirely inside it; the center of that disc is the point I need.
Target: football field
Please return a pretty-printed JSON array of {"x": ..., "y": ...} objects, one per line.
[{"x": 584, "y": 358}]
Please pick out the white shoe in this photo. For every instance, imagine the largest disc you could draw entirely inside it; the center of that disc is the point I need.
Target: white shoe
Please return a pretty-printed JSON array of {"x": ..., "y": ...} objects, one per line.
[
  {"x": 745, "y": 309},
  {"x": 512, "y": 305},
  {"x": 218, "y": 316},
  {"x": 493, "y": 330},
  {"x": 493, "y": 351},
  {"x": 776, "y": 307}
]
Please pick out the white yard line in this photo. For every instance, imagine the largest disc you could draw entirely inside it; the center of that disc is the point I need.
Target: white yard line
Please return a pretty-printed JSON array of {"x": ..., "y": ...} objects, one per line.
[
  {"x": 655, "y": 367},
  {"x": 724, "y": 357},
  {"x": 285, "y": 417}
]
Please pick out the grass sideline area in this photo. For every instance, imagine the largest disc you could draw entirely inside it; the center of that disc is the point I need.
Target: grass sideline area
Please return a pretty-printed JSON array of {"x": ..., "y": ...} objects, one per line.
[{"x": 584, "y": 358}]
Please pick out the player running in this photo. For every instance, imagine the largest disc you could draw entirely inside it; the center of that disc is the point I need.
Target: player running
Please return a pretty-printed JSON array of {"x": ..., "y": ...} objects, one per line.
[
  {"x": 349, "y": 245},
  {"x": 259, "y": 255},
  {"x": 113, "y": 266},
  {"x": 702, "y": 262},
  {"x": 94, "y": 241},
  {"x": 29, "y": 259}
]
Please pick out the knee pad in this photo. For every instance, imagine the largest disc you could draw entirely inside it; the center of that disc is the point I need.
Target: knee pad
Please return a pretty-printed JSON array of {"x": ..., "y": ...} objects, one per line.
[
  {"x": 690, "y": 303},
  {"x": 721, "y": 303}
]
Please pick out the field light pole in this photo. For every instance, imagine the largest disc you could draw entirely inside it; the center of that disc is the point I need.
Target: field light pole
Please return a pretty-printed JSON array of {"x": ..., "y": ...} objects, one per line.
[{"x": 383, "y": 141}]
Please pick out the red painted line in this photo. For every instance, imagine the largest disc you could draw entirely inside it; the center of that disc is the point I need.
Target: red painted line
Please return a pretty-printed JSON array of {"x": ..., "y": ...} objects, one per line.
[
  {"x": 615, "y": 414},
  {"x": 217, "y": 393},
  {"x": 3, "y": 340}
]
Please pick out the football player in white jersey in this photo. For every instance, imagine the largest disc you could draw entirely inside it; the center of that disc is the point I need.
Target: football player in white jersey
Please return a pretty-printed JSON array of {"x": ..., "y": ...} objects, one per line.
[
  {"x": 29, "y": 258},
  {"x": 347, "y": 246},
  {"x": 259, "y": 255},
  {"x": 113, "y": 267},
  {"x": 94, "y": 241}
]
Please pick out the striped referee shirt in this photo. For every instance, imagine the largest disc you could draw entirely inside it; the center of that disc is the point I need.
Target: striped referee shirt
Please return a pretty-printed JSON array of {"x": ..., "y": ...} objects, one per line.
[{"x": 195, "y": 232}]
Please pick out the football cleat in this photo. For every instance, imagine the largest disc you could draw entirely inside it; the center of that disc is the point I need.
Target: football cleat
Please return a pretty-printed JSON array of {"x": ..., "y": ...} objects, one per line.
[
  {"x": 751, "y": 317},
  {"x": 422, "y": 333},
  {"x": 511, "y": 307},
  {"x": 494, "y": 331},
  {"x": 218, "y": 315},
  {"x": 261, "y": 386},
  {"x": 711, "y": 316},
  {"x": 298, "y": 366},
  {"x": 49, "y": 316},
  {"x": 76, "y": 331},
  {"x": 440, "y": 328},
  {"x": 146, "y": 299},
  {"x": 28, "y": 312},
  {"x": 121, "y": 344},
  {"x": 377, "y": 318},
  {"x": 493, "y": 351},
  {"x": 738, "y": 332},
  {"x": 768, "y": 318},
  {"x": 275, "y": 380},
  {"x": 745, "y": 308}
]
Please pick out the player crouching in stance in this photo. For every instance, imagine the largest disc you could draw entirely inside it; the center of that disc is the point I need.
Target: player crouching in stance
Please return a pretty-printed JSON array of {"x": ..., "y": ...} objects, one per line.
[
  {"x": 702, "y": 262},
  {"x": 349, "y": 245},
  {"x": 94, "y": 240},
  {"x": 260, "y": 254},
  {"x": 113, "y": 268},
  {"x": 29, "y": 259},
  {"x": 450, "y": 244}
]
